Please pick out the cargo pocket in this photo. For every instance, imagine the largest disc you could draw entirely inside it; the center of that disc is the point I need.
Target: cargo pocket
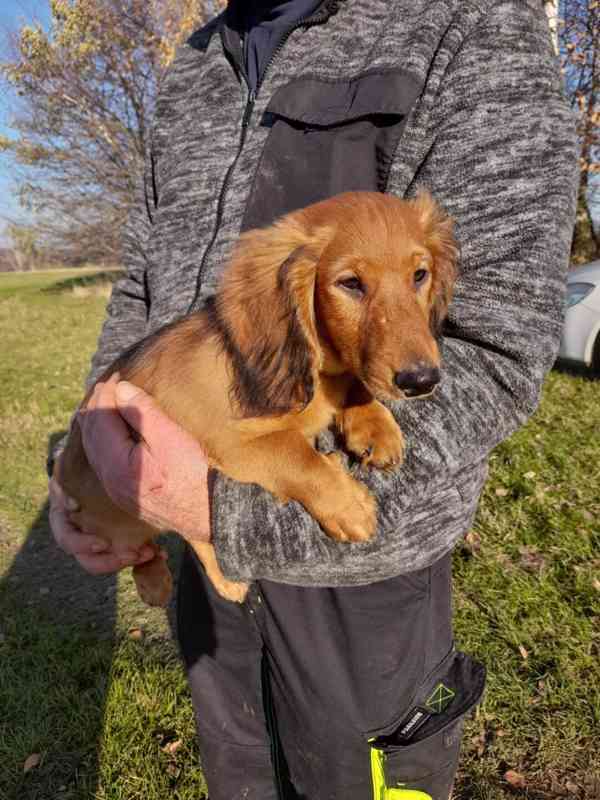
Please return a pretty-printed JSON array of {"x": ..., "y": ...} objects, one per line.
[
  {"x": 416, "y": 757},
  {"x": 326, "y": 137}
]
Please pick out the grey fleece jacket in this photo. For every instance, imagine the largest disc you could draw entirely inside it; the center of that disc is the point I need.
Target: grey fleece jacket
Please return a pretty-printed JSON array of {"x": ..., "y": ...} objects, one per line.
[{"x": 481, "y": 121}]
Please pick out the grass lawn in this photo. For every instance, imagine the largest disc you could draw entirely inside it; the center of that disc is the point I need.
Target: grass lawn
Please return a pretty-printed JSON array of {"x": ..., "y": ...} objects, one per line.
[{"x": 90, "y": 684}]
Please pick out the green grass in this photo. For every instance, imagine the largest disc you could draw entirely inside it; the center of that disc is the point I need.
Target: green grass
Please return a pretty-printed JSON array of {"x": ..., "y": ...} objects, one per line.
[
  {"x": 104, "y": 709},
  {"x": 30, "y": 283}
]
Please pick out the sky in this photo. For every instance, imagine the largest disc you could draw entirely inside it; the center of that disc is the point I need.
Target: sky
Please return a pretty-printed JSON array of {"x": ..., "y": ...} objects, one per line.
[{"x": 13, "y": 14}]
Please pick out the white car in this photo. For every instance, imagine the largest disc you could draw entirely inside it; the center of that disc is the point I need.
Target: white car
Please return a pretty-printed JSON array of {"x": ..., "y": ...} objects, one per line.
[{"x": 580, "y": 342}]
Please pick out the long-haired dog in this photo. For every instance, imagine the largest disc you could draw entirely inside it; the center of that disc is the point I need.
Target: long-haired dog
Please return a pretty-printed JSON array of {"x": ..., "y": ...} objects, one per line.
[{"x": 318, "y": 318}]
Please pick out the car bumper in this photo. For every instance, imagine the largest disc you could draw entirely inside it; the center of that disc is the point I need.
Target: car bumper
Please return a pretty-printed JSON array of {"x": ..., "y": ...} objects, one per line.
[{"x": 581, "y": 327}]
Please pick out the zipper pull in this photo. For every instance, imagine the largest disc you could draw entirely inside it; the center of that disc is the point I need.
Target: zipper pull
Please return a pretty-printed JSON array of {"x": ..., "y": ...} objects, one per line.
[{"x": 249, "y": 108}]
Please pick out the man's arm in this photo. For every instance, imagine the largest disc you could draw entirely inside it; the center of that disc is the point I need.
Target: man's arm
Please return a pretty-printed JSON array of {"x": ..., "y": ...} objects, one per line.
[
  {"x": 504, "y": 166},
  {"x": 127, "y": 309}
]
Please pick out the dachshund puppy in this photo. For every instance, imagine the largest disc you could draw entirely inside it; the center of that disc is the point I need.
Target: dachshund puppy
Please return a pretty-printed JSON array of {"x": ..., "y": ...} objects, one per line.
[{"x": 318, "y": 318}]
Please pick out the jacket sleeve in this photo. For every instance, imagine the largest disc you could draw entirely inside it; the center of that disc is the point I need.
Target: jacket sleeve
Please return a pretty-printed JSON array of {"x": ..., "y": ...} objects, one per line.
[
  {"x": 127, "y": 309},
  {"x": 503, "y": 163},
  {"x": 128, "y": 305}
]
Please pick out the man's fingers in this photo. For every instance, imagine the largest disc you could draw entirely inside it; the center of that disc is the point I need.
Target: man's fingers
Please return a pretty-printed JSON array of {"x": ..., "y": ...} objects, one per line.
[
  {"x": 126, "y": 467},
  {"x": 142, "y": 413},
  {"x": 101, "y": 564},
  {"x": 106, "y": 563},
  {"x": 71, "y": 539},
  {"x": 106, "y": 438},
  {"x": 59, "y": 498},
  {"x": 93, "y": 553},
  {"x": 75, "y": 534}
]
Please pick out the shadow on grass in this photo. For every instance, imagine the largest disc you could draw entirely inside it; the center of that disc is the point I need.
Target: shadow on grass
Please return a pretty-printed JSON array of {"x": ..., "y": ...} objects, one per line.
[
  {"x": 58, "y": 634},
  {"x": 577, "y": 370},
  {"x": 59, "y": 639},
  {"x": 60, "y": 647}
]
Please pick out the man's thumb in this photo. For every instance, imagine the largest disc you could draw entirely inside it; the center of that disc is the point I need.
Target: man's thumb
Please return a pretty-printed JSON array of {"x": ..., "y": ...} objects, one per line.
[{"x": 138, "y": 409}]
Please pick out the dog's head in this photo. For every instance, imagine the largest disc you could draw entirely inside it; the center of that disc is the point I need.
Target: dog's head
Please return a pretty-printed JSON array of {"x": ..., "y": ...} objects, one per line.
[{"x": 359, "y": 284}]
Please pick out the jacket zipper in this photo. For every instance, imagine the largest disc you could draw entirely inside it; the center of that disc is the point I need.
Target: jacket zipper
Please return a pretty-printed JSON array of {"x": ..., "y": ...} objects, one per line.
[
  {"x": 252, "y": 94},
  {"x": 221, "y": 201}
]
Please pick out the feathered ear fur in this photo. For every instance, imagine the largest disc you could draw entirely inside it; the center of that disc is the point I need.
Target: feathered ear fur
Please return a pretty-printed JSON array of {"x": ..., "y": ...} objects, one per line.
[
  {"x": 265, "y": 315},
  {"x": 441, "y": 243}
]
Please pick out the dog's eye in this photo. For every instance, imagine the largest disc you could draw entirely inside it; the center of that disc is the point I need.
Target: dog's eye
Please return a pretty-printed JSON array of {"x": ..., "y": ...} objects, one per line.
[
  {"x": 420, "y": 276},
  {"x": 352, "y": 284}
]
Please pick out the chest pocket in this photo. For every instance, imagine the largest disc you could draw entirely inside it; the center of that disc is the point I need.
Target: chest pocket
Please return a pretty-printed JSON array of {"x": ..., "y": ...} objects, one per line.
[{"x": 328, "y": 137}]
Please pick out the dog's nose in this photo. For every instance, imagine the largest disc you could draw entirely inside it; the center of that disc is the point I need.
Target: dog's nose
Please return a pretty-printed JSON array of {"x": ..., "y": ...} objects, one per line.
[{"x": 417, "y": 381}]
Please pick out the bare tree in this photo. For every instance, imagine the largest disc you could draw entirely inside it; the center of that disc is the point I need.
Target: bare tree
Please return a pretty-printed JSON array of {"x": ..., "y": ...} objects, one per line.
[
  {"x": 580, "y": 38},
  {"x": 84, "y": 97},
  {"x": 24, "y": 248}
]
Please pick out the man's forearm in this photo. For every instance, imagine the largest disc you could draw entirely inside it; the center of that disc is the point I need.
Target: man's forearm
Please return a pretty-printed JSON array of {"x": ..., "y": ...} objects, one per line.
[
  {"x": 503, "y": 164},
  {"x": 127, "y": 309}
]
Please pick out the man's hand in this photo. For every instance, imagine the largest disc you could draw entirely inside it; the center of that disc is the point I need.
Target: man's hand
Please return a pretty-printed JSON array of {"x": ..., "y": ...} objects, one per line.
[
  {"x": 93, "y": 552},
  {"x": 159, "y": 474}
]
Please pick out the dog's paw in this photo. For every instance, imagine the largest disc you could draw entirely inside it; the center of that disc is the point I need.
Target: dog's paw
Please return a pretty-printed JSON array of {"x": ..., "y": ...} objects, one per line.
[
  {"x": 353, "y": 516},
  {"x": 230, "y": 590},
  {"x": 154, "y": 582},
  {"x": 372, "y": 434}
]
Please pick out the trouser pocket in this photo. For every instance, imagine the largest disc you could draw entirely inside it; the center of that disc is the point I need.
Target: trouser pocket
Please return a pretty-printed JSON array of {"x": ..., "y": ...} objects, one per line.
[{"x": 416, "y": 757}]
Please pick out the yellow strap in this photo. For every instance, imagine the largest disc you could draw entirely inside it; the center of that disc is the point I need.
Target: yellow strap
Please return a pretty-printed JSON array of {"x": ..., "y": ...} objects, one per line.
[
  {"x": 381, "y": 791},
  {"x": 406, "y": 794}
]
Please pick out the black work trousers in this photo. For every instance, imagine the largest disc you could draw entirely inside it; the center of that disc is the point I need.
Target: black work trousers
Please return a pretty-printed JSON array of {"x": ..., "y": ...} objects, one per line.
[{"x": 327, "y": 694}]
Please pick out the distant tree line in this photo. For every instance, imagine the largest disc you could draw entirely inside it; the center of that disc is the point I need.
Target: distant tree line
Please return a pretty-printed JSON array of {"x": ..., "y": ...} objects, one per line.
[{"x": 84, "y": 97}]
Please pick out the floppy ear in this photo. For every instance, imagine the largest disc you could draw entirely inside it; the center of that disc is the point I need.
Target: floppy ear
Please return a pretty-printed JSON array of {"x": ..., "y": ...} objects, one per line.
[
  {"x": 441, "y": 243},
  {"x": 265, "y": 316}
]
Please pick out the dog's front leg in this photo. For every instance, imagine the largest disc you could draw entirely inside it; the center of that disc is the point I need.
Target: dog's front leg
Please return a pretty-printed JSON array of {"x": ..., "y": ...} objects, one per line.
[
  {"x": 372, "y": 433},
  {"x": 286, "y": 464}
]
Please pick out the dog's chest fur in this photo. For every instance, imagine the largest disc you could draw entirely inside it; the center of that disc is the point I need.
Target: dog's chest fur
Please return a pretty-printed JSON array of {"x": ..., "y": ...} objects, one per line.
[{"x": 328, "y": 400}]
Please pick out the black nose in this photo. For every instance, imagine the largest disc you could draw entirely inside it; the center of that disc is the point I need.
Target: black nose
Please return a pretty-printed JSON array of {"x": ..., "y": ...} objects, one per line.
[{"x": 417, "y": 381}]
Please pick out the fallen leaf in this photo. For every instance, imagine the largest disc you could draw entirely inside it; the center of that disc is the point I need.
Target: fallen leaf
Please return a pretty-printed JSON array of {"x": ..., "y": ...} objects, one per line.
[
  {"x": 479, "y": 742},
  {"x": 531, "y": 559},
  {"x": 504, "y": 560},
  {"x": 515, "y": 779},
  {"x": 472, "y": 542},
  {"x": 136, "y": 633},
  {"x": 572, "y": 788},
  {"x": 524, "y": 653},
  {"x": 596, "y": 584},
  {"x": 502, "y": 492},
  {"x": 592, "y": 785},
  {"x": 529, "y": 475},
  {"x": 31, "y": 761},
  {"x": 172, "y": 747}
]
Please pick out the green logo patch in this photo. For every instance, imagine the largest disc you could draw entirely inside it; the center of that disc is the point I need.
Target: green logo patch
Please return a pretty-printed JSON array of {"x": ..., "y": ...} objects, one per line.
[{"x": 440, "y": 699}]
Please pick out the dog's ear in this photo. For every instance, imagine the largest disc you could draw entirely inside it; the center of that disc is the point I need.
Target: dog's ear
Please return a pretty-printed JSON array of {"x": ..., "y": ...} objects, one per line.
[
  {"x": 265, "y": 316},
  {"x": 441, "y": 243}
]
